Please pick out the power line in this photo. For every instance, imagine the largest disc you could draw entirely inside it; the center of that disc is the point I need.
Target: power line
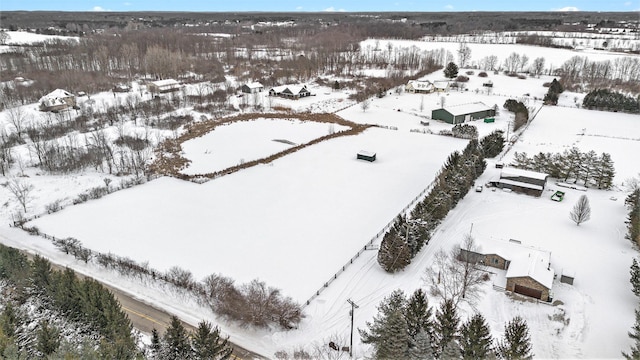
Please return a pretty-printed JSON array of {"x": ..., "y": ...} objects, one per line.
[{"x": 353, "y": 307}]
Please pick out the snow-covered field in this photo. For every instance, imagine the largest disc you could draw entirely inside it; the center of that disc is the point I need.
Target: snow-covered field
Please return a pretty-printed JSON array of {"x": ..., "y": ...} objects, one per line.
[
  {"x": 294, "y": 223},
  {"x": 20, "y": 38},
  {"x": 554, "y": 58},
  {"x": 239, "y": 142}
]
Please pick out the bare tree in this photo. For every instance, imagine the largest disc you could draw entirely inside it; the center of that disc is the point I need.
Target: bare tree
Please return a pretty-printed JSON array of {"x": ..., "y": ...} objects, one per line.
[
  {"x": 365, "y": 105},
  {"x": 538, "y": 66},
  {"x": 4, "y": 37},
  {"x": 455, "y": 275},
  {"x": 21, "y": 191},
  {"x": 581, "y": 210},
  {"x": 17, "y": 117},
  {"x": 464, "y": 54}
]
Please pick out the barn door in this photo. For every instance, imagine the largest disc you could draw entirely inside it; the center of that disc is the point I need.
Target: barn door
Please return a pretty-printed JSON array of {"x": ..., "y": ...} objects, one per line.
[{"x": 527, "y": 291}]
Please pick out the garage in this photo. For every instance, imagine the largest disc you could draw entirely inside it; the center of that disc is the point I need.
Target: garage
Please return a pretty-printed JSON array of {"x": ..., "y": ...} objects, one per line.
[{"x": 527, "y": 291}]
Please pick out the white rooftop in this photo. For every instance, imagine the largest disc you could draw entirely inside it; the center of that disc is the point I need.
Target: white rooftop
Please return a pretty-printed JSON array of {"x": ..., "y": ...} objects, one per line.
[
  {"x": 55, "y": 94},
  {"x": 254, "y": 85},
  {"x": 441, "y": 84},
  {"x": 165, "y": 82},
  {"x": 421, "y": 85},
  {"x": 509, "y": 172},
  {"x": 464, "y": 109},
  {"x": 525, "y": 260}
]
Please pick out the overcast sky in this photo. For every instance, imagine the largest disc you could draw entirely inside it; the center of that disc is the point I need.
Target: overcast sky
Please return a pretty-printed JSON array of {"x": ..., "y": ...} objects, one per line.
[{"x": 322, "y": 5}]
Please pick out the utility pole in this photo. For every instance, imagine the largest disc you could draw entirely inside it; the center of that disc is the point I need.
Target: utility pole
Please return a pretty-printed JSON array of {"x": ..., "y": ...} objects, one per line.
[{"x": 353, "y": 307}]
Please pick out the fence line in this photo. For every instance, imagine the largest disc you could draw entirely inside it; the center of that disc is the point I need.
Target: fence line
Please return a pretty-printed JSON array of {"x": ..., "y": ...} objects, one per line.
[{"x": 369, "y": 244}]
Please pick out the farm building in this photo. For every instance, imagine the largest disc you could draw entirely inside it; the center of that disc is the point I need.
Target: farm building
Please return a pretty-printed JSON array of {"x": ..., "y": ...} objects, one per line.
[
  {"x": 121, "y": 88},
  {"x": 57, "y": 100},
  {"x": 460, "y": 113},
  {"x": 441, "y": 86},
  {"x": 528, "y": 270},
  {"x": 522, "y": 181},
  {"x": 290, "y": 91},
  {"x": 252, "y": 88},
  {"x": 163, "y": 86},
  {"x": 419, "y": 87},
  {"x": 366, "y": 155}
]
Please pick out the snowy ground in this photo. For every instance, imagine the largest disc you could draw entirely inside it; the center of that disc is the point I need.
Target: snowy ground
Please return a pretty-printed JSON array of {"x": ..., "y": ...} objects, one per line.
[
  {"x": 244, "y": 141},
  {"x": 325, "y": 199}
]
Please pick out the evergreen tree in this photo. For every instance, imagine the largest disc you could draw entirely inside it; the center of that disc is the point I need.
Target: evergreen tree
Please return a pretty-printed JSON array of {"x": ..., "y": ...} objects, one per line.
[
  {"x": 208, "y": 345},
  {"x": 47, "y": 338},
  {"x": 516, "y": 343},
  {"x": 445, "y": 325},
  {"x": 555, "y": 88},
  {"x": 635, "y": 335},
  {"x": 176, "y": 341},
  {"x": 394, "y": 253},
  {"x": 493, "y": 144},
  {"x": 420, "y": 347},
  {"x": 9, "y": 320},
  {"x": 633, "y": 220},
  {"x": 451, "y": 71},
  {"x": 475, "y": 338},
  {"x": 394, "y": 342},
  {"x": 604, "y": 172},
  {"x": 378, "y": 330},
  {"x": 418, "y": 314},
  {"x": 451, "y": 351},
  {"x": 635, "y": 277},
  {"x": 156, "y": 343}
]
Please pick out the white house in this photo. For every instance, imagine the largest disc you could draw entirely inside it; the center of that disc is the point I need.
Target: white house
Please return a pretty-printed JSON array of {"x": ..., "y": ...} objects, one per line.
[
  {"x": 58, "y": 99},
  {"x": 251, "y": 88},
  {"x": 290, "y": 91},
  {"x": 163, "y": 86},
  {"x": 419, "y": 87}
]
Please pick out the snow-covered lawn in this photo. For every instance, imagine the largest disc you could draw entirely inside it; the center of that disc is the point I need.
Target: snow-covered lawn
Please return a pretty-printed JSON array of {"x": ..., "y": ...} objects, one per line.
[{"x": 238, "y": 142}]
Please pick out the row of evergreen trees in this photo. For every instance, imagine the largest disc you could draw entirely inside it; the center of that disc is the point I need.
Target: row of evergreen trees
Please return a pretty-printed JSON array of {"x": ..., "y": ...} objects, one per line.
[
  {"x": 605, "y": 99},
  {"x": 572, "y": 164},
  {"x": 38, "y": 300},
  {"x": 408, "y": 329},
  {"x": 633, "y": 233},
  {"x": 406, "y": 237},
  {"x": 178, "y": 343}
]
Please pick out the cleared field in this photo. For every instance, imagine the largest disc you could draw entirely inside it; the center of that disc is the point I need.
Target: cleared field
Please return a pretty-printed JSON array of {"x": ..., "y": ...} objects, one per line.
[{"x": 292, "y": 223}]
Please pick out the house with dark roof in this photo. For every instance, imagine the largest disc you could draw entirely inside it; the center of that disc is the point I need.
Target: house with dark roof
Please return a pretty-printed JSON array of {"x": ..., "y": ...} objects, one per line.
[
  {"x": 290, "y": 91},
  {"x": 521, "y": 181}
]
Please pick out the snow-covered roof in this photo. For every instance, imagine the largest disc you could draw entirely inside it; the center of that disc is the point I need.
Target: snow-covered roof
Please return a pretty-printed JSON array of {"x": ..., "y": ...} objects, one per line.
[
  {"x": 297, "y": 89},
  {"x": 294, "y": 89},
  {"x": 165, "y": 83},
  {"x": 524, "y": 260},
  {"x": 441, "y": 84},
  {"x": 513, "y": 172},
  {"x": 254, "y": 85},
  {"x": 54, "y": 95},
  {"x": 420, "y": 85},
  {"x": 535, "y": 265},
  {"x": 521, "y": 184},
  {"x": 464, "y": 109},
  {"x": 366, "y": 153}
]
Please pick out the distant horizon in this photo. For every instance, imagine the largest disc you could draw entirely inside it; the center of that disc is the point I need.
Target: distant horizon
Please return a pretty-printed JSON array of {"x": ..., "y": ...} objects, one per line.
[{"x": 320, "y": 6}]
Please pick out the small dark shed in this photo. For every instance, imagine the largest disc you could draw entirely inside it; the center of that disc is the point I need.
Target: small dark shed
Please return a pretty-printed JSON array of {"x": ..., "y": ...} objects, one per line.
[{"x": 366, "y": 155}]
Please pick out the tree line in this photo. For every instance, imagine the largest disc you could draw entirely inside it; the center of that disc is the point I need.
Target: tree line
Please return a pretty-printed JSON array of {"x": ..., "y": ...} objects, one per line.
[
  {"x": 41, "y": 307},
  {"x": 589, "y": 168},
  {"x": 254, "y": 304},
  {"x": 633, "y": 234},
  {"x": 409, "y": 329},
  {"x": 605, "y": 99},
  {"x": 407, "y": 236}
]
